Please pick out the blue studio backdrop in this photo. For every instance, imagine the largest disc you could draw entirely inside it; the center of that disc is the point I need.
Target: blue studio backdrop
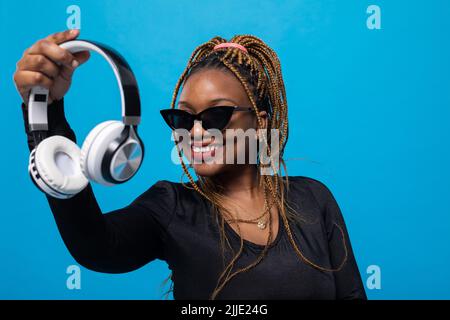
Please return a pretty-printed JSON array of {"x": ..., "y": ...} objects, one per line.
[{"x": 368, "y": 94}]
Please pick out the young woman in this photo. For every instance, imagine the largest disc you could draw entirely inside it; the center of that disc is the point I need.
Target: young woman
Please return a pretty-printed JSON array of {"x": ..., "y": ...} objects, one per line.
[{"x": 233, "y": 233}]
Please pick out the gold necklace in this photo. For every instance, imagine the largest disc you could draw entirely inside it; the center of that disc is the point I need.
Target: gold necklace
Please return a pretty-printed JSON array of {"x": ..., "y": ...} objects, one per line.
[{"x": 259, "y": 221}]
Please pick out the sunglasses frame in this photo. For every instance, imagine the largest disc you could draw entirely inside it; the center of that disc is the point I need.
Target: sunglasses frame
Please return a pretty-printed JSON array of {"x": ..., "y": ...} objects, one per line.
[{"x": 198, "y": 116}]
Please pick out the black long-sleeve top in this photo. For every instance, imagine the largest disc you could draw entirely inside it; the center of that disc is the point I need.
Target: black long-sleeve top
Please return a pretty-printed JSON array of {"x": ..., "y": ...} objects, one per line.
[{"x": 175, "y": 224}]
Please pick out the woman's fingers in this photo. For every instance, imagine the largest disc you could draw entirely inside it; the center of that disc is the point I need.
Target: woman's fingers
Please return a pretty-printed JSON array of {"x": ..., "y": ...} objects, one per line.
[
  {"x": 53, "y": 52},
  {"x": 30, "y": 79},
  {"x": 60, "y": 37},
  {"x": 40, "y": 63},
  {"x": 80, "y": 58}
]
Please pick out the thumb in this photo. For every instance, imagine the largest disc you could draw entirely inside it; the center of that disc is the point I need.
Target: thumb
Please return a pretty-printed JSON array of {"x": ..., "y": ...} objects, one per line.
[
  {"x": 82, "y": 56},
  {"x": 79, "y": 57}
]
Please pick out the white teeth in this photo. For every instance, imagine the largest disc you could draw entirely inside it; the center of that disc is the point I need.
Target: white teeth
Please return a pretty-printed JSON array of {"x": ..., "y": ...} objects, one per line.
[{"x": 203, "y": 149}]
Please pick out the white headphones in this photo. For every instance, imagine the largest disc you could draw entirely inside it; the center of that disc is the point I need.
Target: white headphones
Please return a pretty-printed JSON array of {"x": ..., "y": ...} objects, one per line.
[{"x": 112, "y": 152}]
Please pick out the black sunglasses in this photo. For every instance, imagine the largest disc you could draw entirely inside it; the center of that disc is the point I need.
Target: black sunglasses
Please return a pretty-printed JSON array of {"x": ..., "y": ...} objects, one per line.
[{"x": 211, "y": 118}]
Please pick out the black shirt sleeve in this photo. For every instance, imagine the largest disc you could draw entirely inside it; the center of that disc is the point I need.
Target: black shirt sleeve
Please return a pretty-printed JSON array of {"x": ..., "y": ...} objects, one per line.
[
  {"x": 348, "y": 280},
  {"x": 118, "y": 241}
]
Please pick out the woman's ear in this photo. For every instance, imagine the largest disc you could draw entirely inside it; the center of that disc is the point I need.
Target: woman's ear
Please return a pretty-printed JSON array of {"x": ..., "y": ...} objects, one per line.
[{"x": 263, "y": 116}]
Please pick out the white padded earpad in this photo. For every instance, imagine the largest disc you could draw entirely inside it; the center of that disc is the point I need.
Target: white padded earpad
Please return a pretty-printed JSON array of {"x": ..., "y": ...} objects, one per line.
[
  {"x": 34, "y": 174},
  {"x": 57, "y": 160},
  {"x": 95, "y": 146}
]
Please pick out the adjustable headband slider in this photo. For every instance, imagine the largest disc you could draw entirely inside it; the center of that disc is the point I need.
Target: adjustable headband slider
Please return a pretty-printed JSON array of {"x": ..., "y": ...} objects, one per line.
[
  {"x": 37, "y": 109},
  {"x": 131, "y": 120}
]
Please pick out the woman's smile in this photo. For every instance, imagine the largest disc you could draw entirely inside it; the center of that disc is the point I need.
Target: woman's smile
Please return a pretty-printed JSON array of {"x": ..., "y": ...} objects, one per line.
[{"x": 204, "y": 150}]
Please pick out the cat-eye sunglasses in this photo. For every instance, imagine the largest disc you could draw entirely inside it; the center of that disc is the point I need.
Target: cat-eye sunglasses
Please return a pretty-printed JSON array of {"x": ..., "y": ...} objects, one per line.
[{"x": 211, "y": 118}]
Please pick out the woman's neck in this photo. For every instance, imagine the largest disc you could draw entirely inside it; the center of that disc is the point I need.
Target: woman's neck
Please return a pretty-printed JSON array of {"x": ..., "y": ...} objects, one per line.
[{"x": 241, "y": 181}]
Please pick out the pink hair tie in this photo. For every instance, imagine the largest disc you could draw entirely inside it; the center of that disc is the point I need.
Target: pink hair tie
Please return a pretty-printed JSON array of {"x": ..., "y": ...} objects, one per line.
[{"x": 230, "y": 44}]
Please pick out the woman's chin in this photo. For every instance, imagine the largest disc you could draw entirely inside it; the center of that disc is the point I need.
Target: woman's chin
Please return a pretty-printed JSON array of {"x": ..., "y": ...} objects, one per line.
[{"x": 208, "y": 170}]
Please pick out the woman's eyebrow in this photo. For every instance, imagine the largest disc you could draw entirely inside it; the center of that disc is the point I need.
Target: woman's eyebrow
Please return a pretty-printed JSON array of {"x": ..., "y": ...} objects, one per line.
[
  {"x": 222, "y": 99},
  {"x": 188, "y": 105}
]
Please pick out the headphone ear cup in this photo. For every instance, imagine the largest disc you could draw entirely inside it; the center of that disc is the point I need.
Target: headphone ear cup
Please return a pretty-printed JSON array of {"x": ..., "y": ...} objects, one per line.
[
  {"x": 95, "y": 146},
  {"x": 54, "y": 166},
  {"x": 85, "y": 148}
]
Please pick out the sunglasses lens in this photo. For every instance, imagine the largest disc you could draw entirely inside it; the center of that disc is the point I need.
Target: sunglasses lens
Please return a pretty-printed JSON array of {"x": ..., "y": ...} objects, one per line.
[
  {"x": 177, "y": 119},
  {"x": 216, "y": 117},
  {"x": 212, "y": 118}
]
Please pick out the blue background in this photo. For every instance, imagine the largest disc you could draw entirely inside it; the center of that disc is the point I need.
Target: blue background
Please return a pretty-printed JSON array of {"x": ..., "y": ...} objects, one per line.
[{"x": 368, "y": 110}]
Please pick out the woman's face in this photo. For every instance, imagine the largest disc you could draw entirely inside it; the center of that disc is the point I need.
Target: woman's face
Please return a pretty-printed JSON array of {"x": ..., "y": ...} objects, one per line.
[{"x": 207, "y": 89}]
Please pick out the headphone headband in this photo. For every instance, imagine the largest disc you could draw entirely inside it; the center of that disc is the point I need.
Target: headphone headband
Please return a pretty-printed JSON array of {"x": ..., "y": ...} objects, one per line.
[{"x": 129, "y": 91}]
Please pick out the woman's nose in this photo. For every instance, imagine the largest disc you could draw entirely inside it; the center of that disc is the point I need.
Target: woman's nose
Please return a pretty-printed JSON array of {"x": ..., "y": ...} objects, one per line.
[{"x": 197, "y": 129}]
